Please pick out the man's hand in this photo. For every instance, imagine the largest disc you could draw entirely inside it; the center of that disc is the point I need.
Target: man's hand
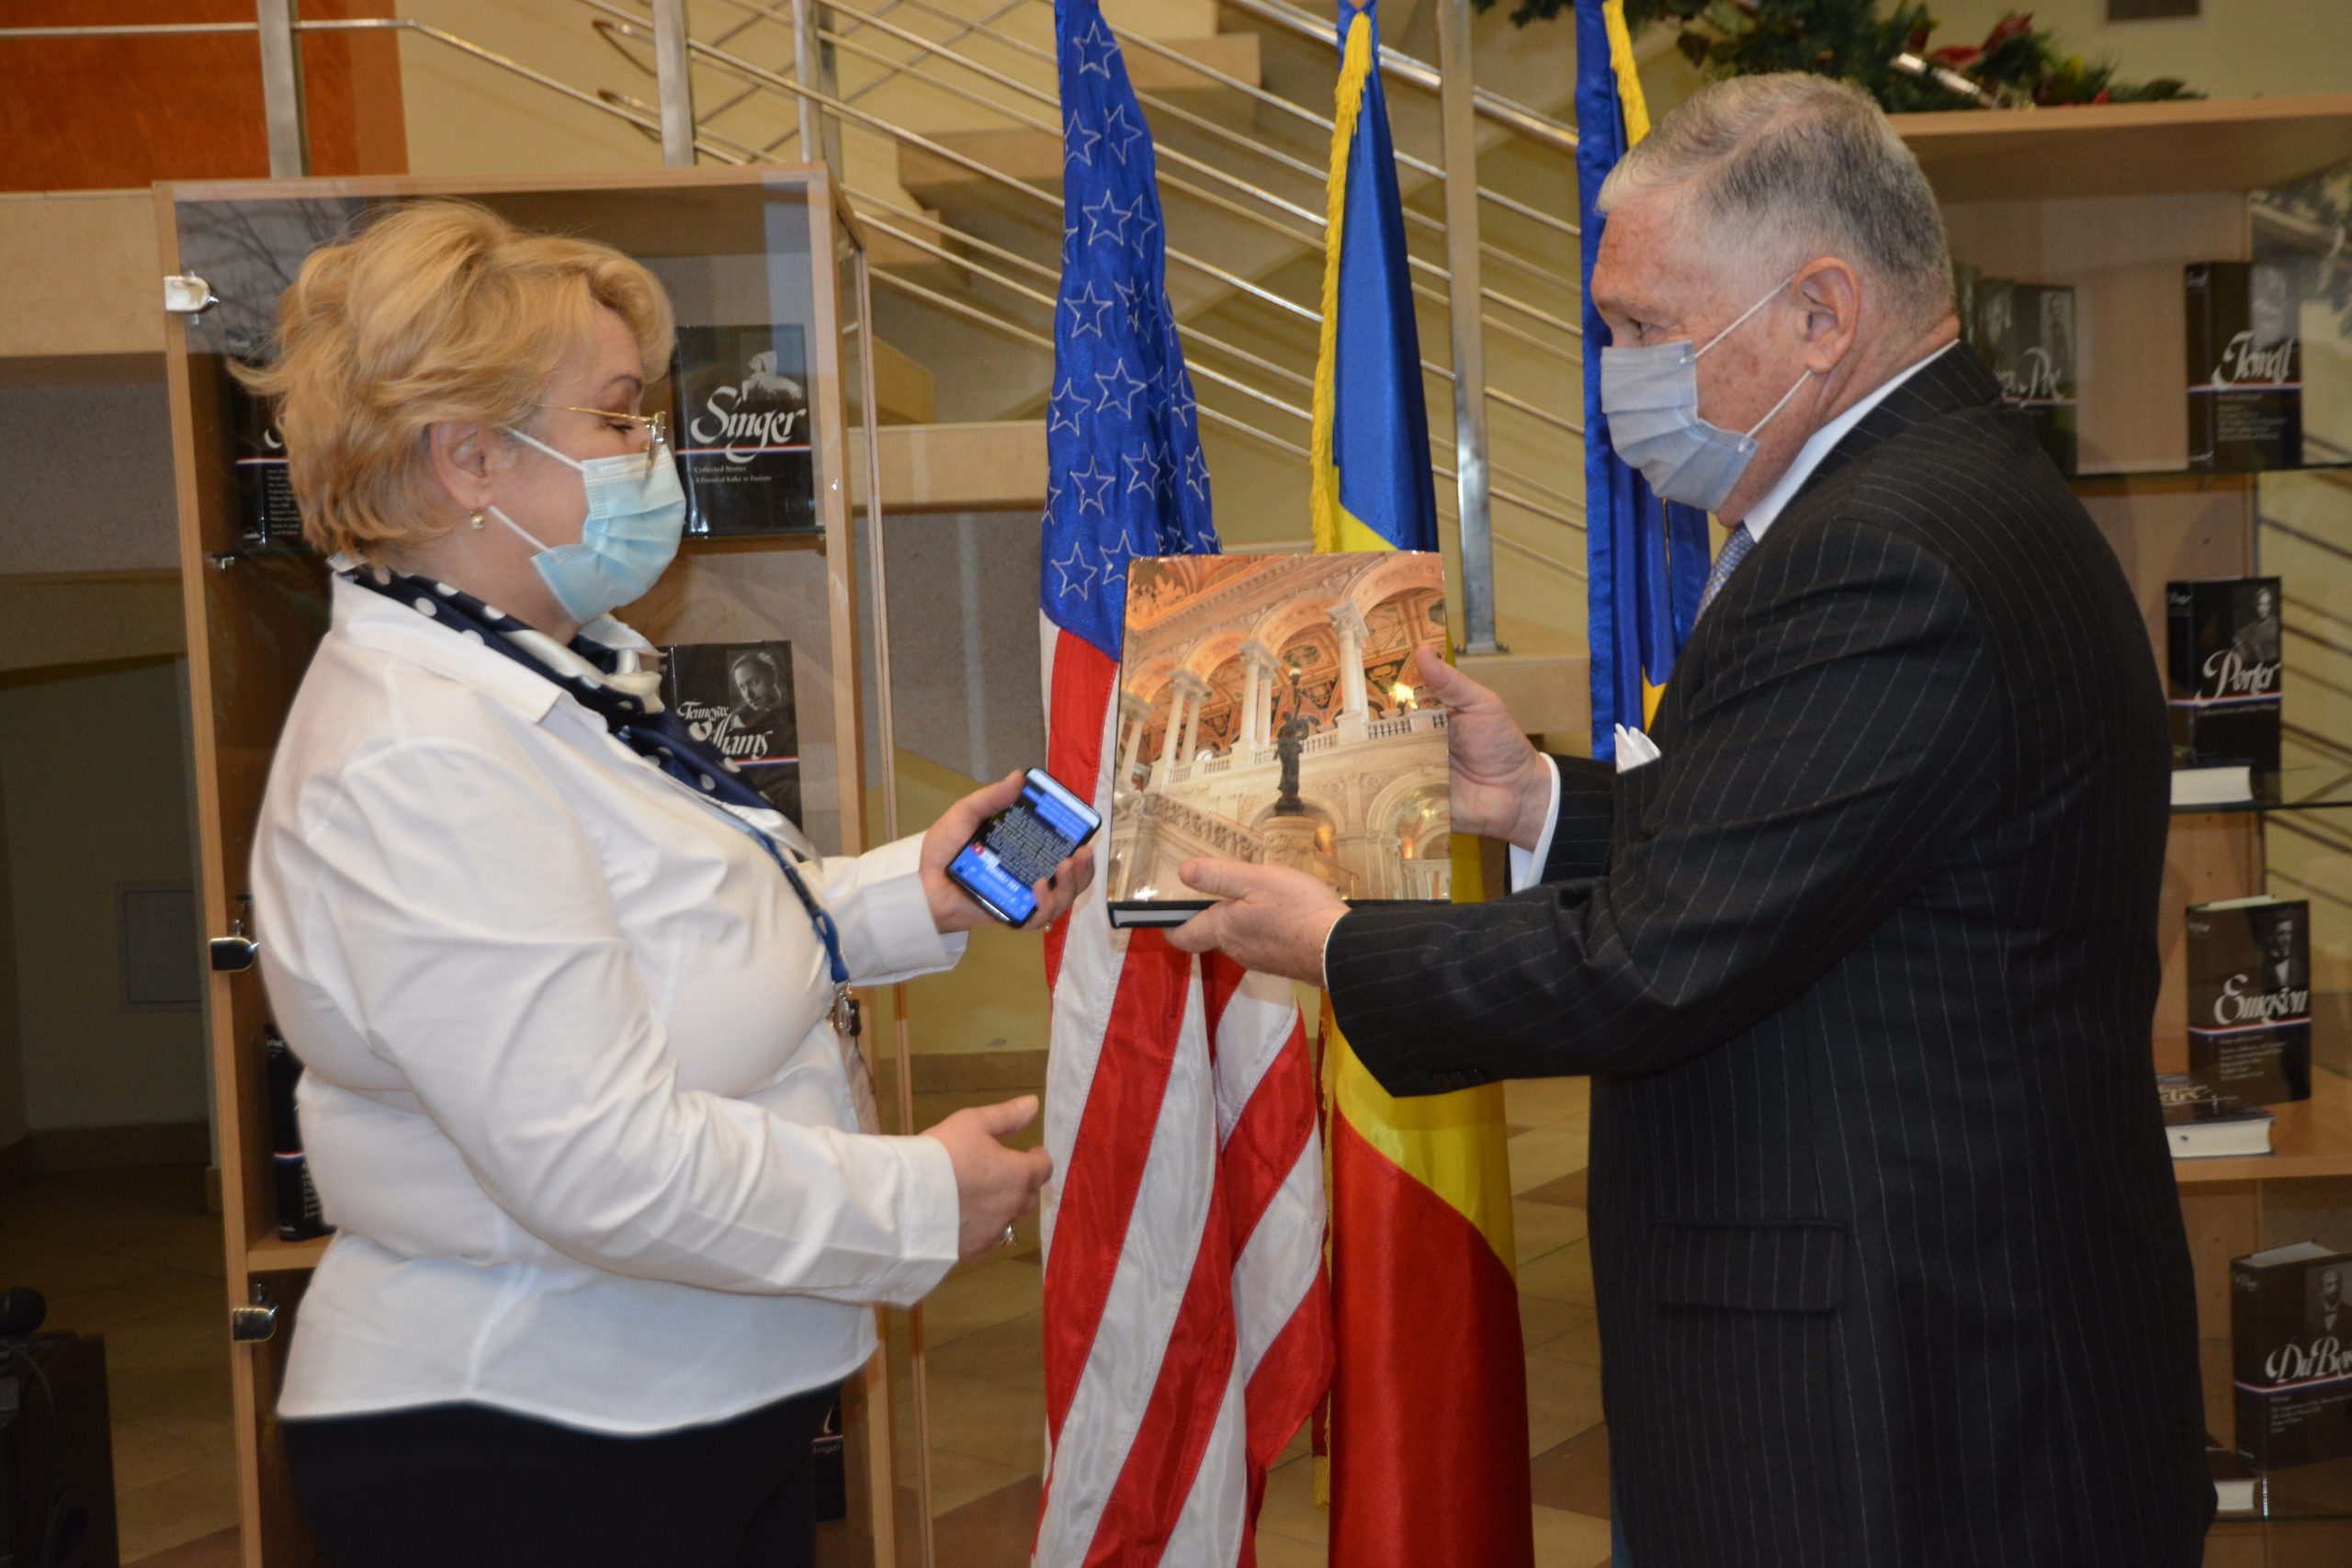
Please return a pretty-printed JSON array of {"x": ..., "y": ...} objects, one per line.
[
  {"x": 1273, "y": 919},
  {"x": 952, "y": 908},
  {"x": 1502, "y": 788}
]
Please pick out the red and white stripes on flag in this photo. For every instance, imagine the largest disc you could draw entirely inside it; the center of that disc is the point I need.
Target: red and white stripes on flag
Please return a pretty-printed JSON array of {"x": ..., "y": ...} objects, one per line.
[{"x": 1188, "y": 1332}]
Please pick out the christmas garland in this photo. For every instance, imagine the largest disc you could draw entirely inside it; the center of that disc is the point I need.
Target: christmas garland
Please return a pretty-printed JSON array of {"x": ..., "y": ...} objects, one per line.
[{"x": 1887, "y": 56}]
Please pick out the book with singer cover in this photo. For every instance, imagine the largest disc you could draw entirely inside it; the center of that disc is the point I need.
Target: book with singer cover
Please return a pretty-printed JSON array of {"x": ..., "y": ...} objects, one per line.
[
  {"x": 738, "y": 696},
  {"x": 1268, "y": 713},
  {"x": 741, "y": 430}
]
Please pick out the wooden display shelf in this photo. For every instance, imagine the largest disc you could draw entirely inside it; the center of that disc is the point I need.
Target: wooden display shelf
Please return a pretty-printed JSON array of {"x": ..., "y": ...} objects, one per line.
[
  {"x": 275, "y": 1257},
  {"x": 2137, "y": 150},
  {"x": 2311, "y": 1137}
]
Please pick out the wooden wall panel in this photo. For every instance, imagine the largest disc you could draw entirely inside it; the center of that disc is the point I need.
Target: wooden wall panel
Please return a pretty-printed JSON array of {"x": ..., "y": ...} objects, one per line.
[{"x": 95, "y": 114}]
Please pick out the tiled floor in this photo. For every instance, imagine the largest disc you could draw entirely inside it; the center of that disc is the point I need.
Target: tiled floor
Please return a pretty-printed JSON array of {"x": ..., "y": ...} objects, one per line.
[
  {"x": 981, "y": 1328},
  {"x": 132, "y": 1254}
]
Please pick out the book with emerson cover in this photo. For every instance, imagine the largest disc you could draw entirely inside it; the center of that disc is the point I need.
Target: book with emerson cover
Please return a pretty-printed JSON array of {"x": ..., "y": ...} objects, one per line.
[{"x": 1268, "y": 713}]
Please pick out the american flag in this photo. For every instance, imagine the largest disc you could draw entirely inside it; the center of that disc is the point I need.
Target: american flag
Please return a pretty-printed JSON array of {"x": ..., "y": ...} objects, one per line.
[{"x": 1187, "y": 1319}]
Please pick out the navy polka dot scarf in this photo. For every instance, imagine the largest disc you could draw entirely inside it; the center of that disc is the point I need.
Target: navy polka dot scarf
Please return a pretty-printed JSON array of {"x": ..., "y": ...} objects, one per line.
[{"x": 637, "y": 720}]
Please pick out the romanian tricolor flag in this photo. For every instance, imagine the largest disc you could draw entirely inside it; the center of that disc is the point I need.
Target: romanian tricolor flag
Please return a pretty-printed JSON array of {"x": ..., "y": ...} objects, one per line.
[
  {"x": 1428, "y": 1426},
  {"x": 1645, "y": 560}
]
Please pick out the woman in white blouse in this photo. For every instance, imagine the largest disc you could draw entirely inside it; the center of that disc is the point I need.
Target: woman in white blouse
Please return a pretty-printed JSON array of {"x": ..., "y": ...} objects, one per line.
[{"x": 608, "y": 1229}]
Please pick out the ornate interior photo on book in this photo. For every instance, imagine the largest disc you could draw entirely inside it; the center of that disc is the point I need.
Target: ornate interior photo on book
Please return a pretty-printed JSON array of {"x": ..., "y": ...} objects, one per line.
[{"x": 1267, "y": 712}]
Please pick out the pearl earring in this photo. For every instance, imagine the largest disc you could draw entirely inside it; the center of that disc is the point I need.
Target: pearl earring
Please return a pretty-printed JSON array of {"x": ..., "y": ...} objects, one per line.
[{"x": 475, "y": 521}]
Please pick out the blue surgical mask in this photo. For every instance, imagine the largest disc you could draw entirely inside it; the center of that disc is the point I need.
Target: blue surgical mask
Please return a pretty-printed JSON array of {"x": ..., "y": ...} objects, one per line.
[
  {"x": 1651, "y": 396},
  {"x": 637, "y": 510}
]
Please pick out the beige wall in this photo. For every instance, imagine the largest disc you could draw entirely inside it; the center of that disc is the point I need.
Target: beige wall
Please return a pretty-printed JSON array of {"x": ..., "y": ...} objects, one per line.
[
  {"x": 2238, "y": 49},
  {"x": 466, "y": 117},
  {"x": 95, "y": 793}
]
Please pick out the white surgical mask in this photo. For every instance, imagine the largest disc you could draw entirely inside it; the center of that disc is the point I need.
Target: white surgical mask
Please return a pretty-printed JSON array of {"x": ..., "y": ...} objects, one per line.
[
  {"x": 636, "y": 511},
  {"x": 1651, "y": 397}
]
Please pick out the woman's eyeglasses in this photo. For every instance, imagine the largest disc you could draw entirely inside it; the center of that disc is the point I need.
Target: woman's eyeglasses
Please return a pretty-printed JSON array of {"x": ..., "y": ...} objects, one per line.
[{"x": 655, "y": 425}]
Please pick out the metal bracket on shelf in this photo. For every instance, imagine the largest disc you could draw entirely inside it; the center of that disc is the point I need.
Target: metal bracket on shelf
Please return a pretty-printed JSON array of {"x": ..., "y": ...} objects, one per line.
[
  {"x": 184, "y": 294},
  {"x": 222, "y": 560},
  {"x": 235, "y": 952},
  {"x": 252, "y": 1325}
]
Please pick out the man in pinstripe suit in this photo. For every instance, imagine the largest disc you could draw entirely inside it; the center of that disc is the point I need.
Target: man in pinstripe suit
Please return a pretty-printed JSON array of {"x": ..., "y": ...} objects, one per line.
[{"x": 1889, "y": 1260}]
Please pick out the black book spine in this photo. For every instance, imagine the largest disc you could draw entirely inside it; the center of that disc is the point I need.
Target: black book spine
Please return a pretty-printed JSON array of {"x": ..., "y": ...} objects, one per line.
[{"x": 300, "y": 1217}]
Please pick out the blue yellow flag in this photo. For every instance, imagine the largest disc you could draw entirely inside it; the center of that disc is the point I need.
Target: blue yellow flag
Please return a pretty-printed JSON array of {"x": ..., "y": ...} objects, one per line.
[
  {"x": 1646, "y": 560},
  {"x": 1428, "y": 1426}
]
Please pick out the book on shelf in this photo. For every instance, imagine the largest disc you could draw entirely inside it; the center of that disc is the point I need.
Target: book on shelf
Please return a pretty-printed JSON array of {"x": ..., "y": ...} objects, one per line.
[
  {"x": 2291, "y": 1331},
  {"x": 299, "y": 1218},
  {"x": 738, "y": 696},
  {"x": 2200, "y": 1124},
  {"x": 2223, "y": 672},
  {"x": 268, "y": 518},
  {"x": 2250, "y": 998},
  {"x": 2237, "y": 1487},
  {"x": 1274, "y": 718},
  {"x": 2024, "y": 334},
  {"x": 741, "y": 430},
  {"x": 2245, "y": 384}
]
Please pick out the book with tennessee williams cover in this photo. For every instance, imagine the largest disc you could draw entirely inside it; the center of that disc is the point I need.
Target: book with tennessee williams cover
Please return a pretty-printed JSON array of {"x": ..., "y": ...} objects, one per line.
[
  {"x": 2224, "y": 671},
  {"x": 2245, "y": 367},
  {"x": 740, "y": 430},
  {"x": 740, "y": 697},
  {"x": 2250, "y": 998},
  {"x": 2291, "y": 1317},
  {"x": 1270, "y": 715}
]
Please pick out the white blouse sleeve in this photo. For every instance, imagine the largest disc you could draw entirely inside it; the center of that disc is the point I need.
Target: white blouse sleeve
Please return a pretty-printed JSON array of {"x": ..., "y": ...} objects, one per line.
[
  {"x": 877, "y": 900},
  {"x": 476, "y": 927}
]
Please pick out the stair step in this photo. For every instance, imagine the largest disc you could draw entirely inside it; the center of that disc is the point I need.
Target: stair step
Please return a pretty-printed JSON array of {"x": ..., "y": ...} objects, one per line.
[
  {"x": 1234, "y": 54},
  {"x": 994, "y": 467},
  {"x": 906, "y": 391}
]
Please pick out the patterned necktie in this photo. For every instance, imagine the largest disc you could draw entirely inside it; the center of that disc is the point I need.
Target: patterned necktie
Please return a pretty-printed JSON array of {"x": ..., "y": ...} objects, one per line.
[{"x": 1736, "y": 550}]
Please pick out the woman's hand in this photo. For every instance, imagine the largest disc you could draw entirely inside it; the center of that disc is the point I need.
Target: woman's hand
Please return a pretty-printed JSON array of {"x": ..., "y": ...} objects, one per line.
[
  {"x": 995, "y": 1184},
  {"x": 953, "y": 909}
]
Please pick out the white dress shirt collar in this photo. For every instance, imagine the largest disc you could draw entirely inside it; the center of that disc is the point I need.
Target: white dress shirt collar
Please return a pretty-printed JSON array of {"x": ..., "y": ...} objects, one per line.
[{"x": 1820, "y": 444}]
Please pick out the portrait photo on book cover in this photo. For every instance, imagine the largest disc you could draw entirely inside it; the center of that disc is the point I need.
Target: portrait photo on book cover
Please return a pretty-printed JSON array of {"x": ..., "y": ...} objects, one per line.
[
  {"x": 2327, "y": 1315},
  {"x": 1269, "y": 712}
]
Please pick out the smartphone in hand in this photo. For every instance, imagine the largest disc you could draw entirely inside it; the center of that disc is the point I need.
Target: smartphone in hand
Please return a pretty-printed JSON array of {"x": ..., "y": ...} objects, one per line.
[{"x": 1021, "y": 845}]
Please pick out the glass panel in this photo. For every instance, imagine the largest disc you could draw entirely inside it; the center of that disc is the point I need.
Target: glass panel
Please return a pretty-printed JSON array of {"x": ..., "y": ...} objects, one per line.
[{"x": 2304, "y": 538}]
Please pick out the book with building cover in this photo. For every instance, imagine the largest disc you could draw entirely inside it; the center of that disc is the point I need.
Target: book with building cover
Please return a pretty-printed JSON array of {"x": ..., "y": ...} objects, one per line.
[
  {"x": 741, "y": 430},
  {"x": 2245, "y": 385},
  {"x": 2250, "y": 998},
  {"x": 1270, "y": 714},
  {"x": 2224, "y": 671},
  {"x": 739, "y": 695},
  {"x": 2291, "y": 1322},
  {"x": 2025, "y": 332},
  {"x": 299, "y": 1218},
  {"x": 267, "y": 517}
]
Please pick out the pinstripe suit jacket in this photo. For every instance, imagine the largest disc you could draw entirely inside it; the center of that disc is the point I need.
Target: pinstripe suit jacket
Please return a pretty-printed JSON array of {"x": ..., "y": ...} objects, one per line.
[{"x": 1889, "y": 1260}]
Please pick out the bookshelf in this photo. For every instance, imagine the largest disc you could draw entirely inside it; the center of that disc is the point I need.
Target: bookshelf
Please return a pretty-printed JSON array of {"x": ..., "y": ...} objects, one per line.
[
  {"x": 2116, "y": 201},
  {"x": 732, "y": 245}
]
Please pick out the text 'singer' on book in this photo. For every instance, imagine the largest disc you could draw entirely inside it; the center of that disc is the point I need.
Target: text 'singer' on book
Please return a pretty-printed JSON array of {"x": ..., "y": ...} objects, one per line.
[
  {"x": 2291, "y": 1322},
  {"x": 1270, "y": 712},
  {"x": 2225, "y": 672},
  {"x": 741, "y": 430},
  {"x": 2246, "y": 366},
  {"x": 738, "y": 696},
  {"x": 2250, "y": 998}
]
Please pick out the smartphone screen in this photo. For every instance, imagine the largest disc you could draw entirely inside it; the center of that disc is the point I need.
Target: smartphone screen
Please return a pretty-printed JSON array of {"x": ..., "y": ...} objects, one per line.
[{"x": 1021, "y": 845}]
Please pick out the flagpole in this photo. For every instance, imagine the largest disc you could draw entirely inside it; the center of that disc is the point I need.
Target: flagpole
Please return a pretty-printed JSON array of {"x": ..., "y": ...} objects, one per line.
[{"x": 1457, "y": 116}]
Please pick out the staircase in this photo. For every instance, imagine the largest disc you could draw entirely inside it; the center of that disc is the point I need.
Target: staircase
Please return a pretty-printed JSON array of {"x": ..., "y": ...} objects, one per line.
[{"x": 942, "y": 117}]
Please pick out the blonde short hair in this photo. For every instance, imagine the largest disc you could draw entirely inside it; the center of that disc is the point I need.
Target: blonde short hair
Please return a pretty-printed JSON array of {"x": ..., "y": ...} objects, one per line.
[{"x": 439, "y": 311}]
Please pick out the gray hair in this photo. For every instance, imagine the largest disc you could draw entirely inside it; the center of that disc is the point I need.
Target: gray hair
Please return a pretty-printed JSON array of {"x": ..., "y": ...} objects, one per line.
[{"x": 1793, "y": 163}]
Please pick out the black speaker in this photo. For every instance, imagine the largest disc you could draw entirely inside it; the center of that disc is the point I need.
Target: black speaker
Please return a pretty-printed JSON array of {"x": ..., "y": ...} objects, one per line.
[{"x": 56, "y": 1454}]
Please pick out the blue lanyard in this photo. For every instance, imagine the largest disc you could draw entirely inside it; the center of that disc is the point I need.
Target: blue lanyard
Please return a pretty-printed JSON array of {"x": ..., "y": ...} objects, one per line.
[{"x": 819, "y": 916}]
